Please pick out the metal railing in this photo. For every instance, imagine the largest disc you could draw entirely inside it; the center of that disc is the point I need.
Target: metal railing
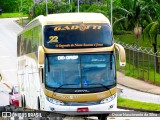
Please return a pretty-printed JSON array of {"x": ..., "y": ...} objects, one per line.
[{"x": 142, "y": 63}]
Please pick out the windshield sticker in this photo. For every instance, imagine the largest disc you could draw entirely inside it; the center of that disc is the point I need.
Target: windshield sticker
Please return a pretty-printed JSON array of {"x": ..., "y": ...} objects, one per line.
[
  {"x": 53, "y": 39},
  {"x": 68, "y": 57},
  {"x": 81, "y": 27},
  {"x": 78, "y": 45}
]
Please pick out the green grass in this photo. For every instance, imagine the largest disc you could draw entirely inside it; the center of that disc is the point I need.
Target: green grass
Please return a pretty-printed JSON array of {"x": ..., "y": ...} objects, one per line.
[
  {"x": 148, "y": 75},
  {"x": 138, "y": 105},
  {"x": 131, "y": 39},
  {"x": 10, "y": 15},
  {"x": 130, "y": 69}
]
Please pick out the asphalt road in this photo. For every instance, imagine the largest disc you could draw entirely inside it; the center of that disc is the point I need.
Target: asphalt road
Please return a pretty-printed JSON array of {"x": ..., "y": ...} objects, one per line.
[
  {"x": 8, "y": 49},
  {"x": 4, "y": 96},
  {"x": 138, "y": 95}
]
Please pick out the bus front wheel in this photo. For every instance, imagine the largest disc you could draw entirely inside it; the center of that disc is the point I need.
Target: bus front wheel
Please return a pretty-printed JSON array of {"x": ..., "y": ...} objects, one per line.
[
  {"x": 21, "y": 101},
  {"x": 38, "y": 103},
  {"x": 24, "y": 102},
  {"x": 102, "y": 117}
]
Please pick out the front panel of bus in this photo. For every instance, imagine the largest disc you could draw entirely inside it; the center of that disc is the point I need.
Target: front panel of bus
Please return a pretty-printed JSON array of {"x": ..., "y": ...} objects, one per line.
[{"x": 84, "y": 81}]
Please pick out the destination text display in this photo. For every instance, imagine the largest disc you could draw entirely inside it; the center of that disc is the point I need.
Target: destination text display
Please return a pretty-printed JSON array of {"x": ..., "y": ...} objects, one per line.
[{"x": 77, "y": 36}]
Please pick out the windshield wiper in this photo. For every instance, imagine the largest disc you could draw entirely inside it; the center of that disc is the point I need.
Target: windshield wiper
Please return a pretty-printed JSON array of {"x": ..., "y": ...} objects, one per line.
[
  {"x": 105, "y": 86},
  {"x": 62, "y": 86},
  {"x": 110, "y": 62}
]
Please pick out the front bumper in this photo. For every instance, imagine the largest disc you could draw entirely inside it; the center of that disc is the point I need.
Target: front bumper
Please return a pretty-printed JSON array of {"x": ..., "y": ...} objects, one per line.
[{"x": 92, "y": 109}]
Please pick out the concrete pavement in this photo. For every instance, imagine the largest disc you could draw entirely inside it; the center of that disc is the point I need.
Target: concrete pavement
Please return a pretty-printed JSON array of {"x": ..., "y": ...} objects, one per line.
[{"x": 137, "y": 84}]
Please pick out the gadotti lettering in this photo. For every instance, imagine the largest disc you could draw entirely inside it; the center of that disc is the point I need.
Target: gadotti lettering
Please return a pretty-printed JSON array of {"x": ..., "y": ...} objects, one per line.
[{"x": 76, "y": 27}]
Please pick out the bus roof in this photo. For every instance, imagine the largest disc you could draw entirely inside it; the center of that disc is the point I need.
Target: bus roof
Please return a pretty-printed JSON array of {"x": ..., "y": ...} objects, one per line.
[
  {"x": 68, "y": 18},
  {"x": 71, "y": 18},
  {"x": 77, "y": 17}
]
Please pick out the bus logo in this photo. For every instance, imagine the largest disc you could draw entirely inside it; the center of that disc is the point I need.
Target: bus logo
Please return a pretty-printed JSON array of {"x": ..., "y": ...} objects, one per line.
[
  {"x": 84, "y": 91},
  {"x": 81, "y": 27},
  {"x": 53, "y": 39}
]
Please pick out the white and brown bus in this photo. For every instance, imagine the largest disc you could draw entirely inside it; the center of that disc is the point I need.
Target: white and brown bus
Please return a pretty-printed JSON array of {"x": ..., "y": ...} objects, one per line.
[{"x": 59, "y": 57}]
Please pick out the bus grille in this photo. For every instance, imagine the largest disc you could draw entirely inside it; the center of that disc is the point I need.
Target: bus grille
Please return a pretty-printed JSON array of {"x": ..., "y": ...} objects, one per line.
[{"x": 82, "y": 103}]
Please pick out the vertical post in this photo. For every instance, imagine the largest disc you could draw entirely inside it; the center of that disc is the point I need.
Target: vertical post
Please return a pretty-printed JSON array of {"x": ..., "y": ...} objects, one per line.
[
  {"x": 133, "y": 61},
  {"x": 21, "y": 13},
  {"x": 78, "y": 5},
  {"x": 138, "y": 62},
  {"x": 129, "y": 59},
  {"x": 154, "y": 67},
  {"x": 148, "y": 66},
  {"x": 21, "y": 5},
  {"x": 125, "y": 68},
  {"x": 143, "y": 65},
  {"x": 34, "y": 8},
  {"x": 46, "y": 8}
]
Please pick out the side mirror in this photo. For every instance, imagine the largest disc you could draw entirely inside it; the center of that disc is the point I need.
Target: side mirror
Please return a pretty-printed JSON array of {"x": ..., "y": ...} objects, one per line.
[
  {"x": 122, "y": 54},
  {"x": 40, "y": 57},
  {"x": 1, "y": 76},
  {"x": 41, "y": 74},
  {"x": 10, "y": 93}
]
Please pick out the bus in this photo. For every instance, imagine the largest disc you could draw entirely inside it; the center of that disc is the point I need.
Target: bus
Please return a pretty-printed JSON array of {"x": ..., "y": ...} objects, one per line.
[{"x": 66, "y": 62}]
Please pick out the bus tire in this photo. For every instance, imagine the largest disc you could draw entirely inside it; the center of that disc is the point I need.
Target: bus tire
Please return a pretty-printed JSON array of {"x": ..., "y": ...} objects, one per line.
[
  {"x": 102, "y": 117},
  {"x": 38, "y": 104},
  {"x": 24, "y": 102},
  {"x": 10, "y": 103}
]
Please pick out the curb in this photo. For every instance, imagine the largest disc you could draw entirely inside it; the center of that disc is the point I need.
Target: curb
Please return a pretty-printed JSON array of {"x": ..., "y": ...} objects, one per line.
[
  {"x": 138, "y": 89},
  {"x": 21, "y": 27},
  {"x": 136, "y": 109}
]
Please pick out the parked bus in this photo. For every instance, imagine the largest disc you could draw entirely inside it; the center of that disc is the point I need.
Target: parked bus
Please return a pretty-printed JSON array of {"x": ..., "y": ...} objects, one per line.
[{"x": 66, "y": 62}]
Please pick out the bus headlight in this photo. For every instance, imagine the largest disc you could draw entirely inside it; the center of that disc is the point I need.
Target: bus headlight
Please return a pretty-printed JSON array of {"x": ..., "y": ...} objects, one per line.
[
  {"x": 54, "y": 101},
  {"x": 106, "y": 100},
  {"x": 15, "y": 97}
]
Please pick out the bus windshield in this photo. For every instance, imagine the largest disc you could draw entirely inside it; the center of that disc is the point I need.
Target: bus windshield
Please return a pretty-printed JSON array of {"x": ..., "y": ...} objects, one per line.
[
  {"x": 80, "y": 70},
  {"x": 78, "y": 35}
]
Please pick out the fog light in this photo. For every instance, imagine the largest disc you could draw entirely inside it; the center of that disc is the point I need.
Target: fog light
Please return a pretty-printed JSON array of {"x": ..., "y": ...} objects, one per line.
[
  {"x": 111, "y": 106},
  {"x": 52, "y": 109}
]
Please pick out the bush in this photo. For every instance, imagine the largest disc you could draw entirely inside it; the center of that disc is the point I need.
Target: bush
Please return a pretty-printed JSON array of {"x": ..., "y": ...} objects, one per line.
[
  {"x": 63, "y": 7},
  {"x": 56, "y": 7},
  {"x": 99, "y": 9}
]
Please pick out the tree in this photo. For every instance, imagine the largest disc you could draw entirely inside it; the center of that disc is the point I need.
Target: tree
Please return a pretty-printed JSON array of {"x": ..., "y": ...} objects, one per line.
[
  {"x": 154, "y": 8},
  {"x": 151, "y": 33},
  {"x": 53, "y": 7},
  {"x": 26, "y": 6},
  {"x": 130, "y": 17},
  {"x": 9, "y": 5},
  {"x": 130, "y": 14}
]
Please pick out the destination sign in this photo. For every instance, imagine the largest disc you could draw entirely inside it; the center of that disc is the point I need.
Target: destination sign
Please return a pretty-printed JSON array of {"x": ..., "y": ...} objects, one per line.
[
  {"x": 81, "y": 27},
  {"x": 77, "y": 36}
]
